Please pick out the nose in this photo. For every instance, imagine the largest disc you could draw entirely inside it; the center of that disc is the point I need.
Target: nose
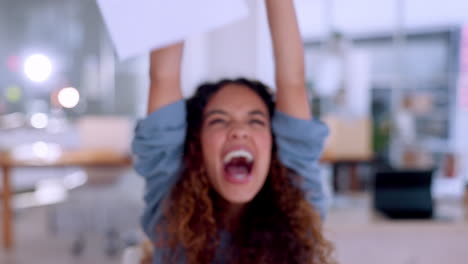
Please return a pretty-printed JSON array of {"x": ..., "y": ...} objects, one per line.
[{"x": 238, "y": 131}]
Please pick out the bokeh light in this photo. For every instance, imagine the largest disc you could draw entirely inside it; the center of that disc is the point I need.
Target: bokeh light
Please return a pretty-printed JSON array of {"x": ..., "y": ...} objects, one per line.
[
  {"x": 39, "y": 120},
  {"x": 48, "y": 151},
  {"x": 69, "y": 97},
  {"x": 13, "y": 93},
  {"x": 13, "y": 63},
  {"x": 38, "y": 67},
  {"x": 40, "y": 149}
]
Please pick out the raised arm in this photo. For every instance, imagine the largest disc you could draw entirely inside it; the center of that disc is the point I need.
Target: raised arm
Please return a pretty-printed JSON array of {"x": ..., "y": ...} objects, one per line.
[
  {"x": 165, "y": 72},
  {"x": 159, "y": 138},
  {"x": 289, "y": 59},
  {"x": 299, "y": 139}
]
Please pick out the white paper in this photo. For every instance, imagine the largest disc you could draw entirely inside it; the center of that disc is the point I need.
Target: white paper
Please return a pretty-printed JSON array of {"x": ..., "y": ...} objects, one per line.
[{"x": 137, "y": 26}]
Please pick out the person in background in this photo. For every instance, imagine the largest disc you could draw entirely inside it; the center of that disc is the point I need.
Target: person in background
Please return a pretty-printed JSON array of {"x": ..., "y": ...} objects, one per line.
[{"x": 232, "y": 175}]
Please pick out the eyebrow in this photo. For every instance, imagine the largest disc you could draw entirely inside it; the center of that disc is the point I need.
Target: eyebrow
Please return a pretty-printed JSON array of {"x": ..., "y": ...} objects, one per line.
[
  {"x": 258, "y": 112},
  {"x": 222, "y": 112},
  {"x": 214, "y": 112}
]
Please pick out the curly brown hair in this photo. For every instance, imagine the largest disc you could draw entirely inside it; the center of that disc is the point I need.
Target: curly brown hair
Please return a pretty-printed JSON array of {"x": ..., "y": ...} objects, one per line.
[{"x": 278, "y": 226}]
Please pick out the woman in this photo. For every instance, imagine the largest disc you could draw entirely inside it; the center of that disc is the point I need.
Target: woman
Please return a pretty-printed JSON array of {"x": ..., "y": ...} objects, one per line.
[{"x": 231, "y": 175}]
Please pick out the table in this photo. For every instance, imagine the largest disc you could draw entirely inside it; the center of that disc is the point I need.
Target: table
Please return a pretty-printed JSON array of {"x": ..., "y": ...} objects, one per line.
[
  {"x": 352, "y": 162},
  {"x": 77, "y": 157}
]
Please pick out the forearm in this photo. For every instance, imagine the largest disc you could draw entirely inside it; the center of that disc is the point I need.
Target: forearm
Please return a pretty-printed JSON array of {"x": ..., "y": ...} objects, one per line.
[
  {"x": 165, "y": 72},
  {"x": 289, "y": 58}
]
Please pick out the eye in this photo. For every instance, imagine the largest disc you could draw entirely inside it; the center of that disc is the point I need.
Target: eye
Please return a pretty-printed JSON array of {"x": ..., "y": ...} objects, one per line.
[
  {"x": 257, "y": 122},
  {"x": 216, "y": 121}
]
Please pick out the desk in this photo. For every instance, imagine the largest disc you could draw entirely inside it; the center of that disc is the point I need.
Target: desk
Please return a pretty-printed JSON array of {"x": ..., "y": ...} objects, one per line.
[
  {"x": 81, "y": 157},
  {"x": 352, "y": 162}
]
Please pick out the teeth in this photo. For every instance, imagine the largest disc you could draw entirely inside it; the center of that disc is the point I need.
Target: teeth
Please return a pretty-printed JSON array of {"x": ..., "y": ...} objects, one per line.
[
  {"x": 238, "y": 154},
  {"x": 240, "y": 176}
]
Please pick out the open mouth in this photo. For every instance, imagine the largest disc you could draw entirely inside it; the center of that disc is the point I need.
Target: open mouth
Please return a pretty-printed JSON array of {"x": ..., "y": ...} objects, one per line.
[{"x": 238, "y": 166}]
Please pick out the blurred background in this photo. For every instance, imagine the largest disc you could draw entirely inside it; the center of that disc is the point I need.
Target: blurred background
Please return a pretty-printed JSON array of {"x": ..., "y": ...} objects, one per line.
[{"x": 389, "y": 77}]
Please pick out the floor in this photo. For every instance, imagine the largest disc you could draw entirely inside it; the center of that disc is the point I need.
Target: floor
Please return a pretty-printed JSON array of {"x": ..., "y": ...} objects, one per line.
[
  {"x": 36, "y": 244},
  {"x": 361, "y": 236},
  {"x": 358, "y": 237},
  {"x": 77, "y": 231}
]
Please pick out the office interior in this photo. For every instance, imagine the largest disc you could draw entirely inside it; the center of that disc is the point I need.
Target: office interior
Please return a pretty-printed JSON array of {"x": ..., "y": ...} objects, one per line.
[{"x": 389, "y": 78}]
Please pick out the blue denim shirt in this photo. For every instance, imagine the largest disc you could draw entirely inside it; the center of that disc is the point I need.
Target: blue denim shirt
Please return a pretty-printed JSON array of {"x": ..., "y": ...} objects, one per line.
[{"x": 158, "y": 148}]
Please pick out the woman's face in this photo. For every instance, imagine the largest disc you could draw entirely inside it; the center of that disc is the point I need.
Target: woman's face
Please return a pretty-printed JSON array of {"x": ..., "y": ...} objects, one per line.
[{"x": 236, "y": 143}]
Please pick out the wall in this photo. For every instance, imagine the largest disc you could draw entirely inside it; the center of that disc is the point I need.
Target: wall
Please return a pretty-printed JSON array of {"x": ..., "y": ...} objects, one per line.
[
  {"x": 242, "y": 49},
  {"x": 364, "y": 16},
  {"x": 460, "y": 143}
]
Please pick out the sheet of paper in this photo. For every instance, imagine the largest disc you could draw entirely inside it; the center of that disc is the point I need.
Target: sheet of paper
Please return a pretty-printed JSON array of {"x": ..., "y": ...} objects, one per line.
[{"x": 137, "y": 26}]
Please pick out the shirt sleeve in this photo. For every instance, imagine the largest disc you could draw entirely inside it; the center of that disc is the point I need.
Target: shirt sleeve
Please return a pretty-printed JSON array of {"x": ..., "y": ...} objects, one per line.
[
  {"x": 300, "y": 145},
  {"x": 157, "y": 146}
]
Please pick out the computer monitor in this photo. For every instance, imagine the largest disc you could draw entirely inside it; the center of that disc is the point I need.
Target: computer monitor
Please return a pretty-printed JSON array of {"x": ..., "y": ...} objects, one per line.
[{"x": 404, "y": 193}]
